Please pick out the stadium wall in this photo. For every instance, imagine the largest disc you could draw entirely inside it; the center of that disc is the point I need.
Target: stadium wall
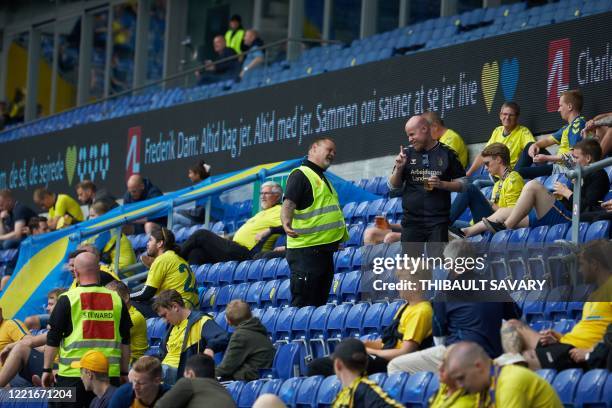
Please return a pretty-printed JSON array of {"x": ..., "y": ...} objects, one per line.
[{"x": 364, "y": 108}]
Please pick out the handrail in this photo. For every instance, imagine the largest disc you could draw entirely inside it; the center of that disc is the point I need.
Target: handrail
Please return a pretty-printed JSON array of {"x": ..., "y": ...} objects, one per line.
[
  {"x": 172, "y": 77},
  {"x": 577, "y": 175}
]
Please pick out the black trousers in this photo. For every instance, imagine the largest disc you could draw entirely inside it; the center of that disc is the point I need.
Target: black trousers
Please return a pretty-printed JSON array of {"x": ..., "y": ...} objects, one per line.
[
  {"x": 312, "y": 274},
  {"x": 83, "y": 397},
  {"x": 425, "y": 233},
  {"x": 204, "y": 246},
  {"x": 325, "y": 366}
]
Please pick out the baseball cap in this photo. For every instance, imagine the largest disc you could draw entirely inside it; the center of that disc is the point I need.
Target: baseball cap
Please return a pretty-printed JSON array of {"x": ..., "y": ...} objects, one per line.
[
  {"x": 352, "y": 352},
  {"x": 92, "y": 360}
]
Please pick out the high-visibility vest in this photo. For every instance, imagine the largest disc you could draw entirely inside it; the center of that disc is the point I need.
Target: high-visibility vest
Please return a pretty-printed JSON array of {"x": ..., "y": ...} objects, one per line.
[
  {"x": 322, "y": 222},
  {"x": 95, "y": 313},
  {"x": 233, "y": 39}
]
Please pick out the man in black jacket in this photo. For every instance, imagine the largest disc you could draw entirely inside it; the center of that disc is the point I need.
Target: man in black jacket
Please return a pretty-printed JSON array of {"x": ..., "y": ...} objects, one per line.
[{"x": 141, "y": 189}]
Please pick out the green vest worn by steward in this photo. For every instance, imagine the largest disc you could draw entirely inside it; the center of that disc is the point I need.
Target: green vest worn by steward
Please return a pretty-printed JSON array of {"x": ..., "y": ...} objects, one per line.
[
  {"x": 95, "y": 314},
  {"x": 322, "y": 222},
  {"x": 233, "y": 39}
]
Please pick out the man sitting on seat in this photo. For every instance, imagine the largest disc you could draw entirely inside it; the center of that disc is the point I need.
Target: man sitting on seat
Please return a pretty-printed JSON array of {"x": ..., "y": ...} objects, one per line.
[
  {"x": 447, "y": 136},
  {"x": 549, "y": 349},
  {"x": 166, "y": 271},
  {"x": 537, "y": 206},
  {"x": 506, "y": 191},
  {"x": 63, "y": 209},
  {"x": 192, "y": 333},
  {"x": 258, "y": 234},
  {"x": 249, "y": 348},
  {"x": 409, "y": 331},
  {"x": 141, "y": 189},
  {"x": 37, "y": 322},
  {"x": 508, "y": 386}
]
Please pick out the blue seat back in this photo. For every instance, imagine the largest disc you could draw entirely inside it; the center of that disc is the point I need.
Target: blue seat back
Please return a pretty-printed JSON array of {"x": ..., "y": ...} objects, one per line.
[
  {"x": 354, "y": 319},
  {"x": 309, "y": 389},
  {"x": 414, "y": 392},
  {"x": 394, "y": 384},
  {"x": 241, "y": 271},
  {"x": 270, "y": 268},
  {"x": 566, "y": 383},
  {"x": 283, "y": 298},
  {"x": 288, "y": 391},
  {"x": 328, "y": 390},
  {"x": 373, "y": 317},
  {"x": 249, "y": 393}
]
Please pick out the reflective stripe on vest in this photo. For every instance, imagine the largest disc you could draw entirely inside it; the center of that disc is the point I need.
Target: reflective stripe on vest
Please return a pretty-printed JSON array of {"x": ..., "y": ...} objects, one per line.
[
  {"x": 322, "y": 222},
  {"x": 95, "y": 315}
]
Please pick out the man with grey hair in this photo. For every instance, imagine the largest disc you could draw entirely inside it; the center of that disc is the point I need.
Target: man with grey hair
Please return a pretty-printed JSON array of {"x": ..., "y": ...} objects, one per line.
[{"x": 258, "y": 234}]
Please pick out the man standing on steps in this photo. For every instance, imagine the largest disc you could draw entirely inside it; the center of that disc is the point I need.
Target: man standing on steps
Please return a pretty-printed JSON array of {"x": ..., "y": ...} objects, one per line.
[{"x": 313, "y": 220}]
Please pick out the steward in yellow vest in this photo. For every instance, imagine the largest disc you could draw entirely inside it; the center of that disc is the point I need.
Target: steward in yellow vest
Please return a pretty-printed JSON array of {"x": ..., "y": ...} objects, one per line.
[
  {"x": 313, "y": 220},
  {"x": 87, "y": 317},
  {"x": 235, "y": 34}
]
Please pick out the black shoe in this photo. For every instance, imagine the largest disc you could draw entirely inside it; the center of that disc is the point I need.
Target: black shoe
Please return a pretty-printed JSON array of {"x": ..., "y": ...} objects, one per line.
[
  {"x": 455, "y": 233},
  {"x": 493, "y": 226}
]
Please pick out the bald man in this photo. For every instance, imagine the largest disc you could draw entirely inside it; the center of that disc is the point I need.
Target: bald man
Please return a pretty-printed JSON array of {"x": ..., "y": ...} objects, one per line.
[
  {"x": 88, "y": 316},
  {"x": 425, "y": 174},
  {"x": 469, "y": 366},
  {"x": 141, "y": 189}
]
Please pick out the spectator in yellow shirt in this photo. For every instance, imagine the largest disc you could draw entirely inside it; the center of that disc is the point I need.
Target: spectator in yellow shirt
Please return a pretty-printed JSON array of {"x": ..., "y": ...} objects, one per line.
[
  {"x": 11, "y": 330},
  {"x": 449, "y": 394},
  {"x": 410, "y": 330},
  {"x": 167, "y": 271},
  {"x": 138, "y": 333},
  {"x": 510, "y": 133},
  {"x": 258, "y": 234},
  {"x": 505, "y": 194},
  {"x": 63, "y": 209},
  {"x": 447, "y": 136},
  {"x": 510, "y": 386},
  {"x": 549, "y": 349}
]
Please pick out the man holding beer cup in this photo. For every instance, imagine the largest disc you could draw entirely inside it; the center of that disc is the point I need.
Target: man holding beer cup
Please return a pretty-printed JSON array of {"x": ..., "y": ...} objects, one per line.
[{"x": 425, "y": 173}]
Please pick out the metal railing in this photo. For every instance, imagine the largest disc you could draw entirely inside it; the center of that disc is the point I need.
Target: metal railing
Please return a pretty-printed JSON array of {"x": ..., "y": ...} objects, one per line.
[
  {"x": 577, "y": 175},
  {"x": 184, "y": 74}
]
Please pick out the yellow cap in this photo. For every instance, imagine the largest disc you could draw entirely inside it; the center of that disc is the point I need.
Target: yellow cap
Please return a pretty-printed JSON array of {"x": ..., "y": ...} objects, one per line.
[{"x": 92, "y": 360}]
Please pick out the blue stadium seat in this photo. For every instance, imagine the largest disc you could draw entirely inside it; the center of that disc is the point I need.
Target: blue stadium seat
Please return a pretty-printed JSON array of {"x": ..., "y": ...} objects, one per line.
[
  {"x": 355, "y": 235},
  {"x": 564, "y": 325},
  {"x": 556, "y": 303},
  {"x": 374, "y": 209},
  {"x": 566, "y": 383},
  {"x": 284, "y": 323},
  {"x": 334, "y": 290},
  {"x": 200, "y": 273},
  {"x": 249, "y": 393},
  {"x": 390, "y": 312},
  {"x": 349, "y": 291},
  {"x": 344, "y": 261},
  {"x": 212, "y": 277},
  {"x": 590, "y": 391},
  {"x": 354, "y": 319},
  {"x": 373, "y": 317},
  {"x": 240, "y": 273},
  {"x": 336, "y": 325},
  {"x": 269, "y": 320},
  {"x": 300, "y": 327},
  {"x": 414, "y": 392},
  {"x": 607, "y": 391},
  {"x": 308, "y": 391},
  {"x": 579, "y": 296},
  {"x": 348, "y": 210},
  {"x": 208, "y": 298},
  {"x": 283, "y": 297},
  {"x": 318, "y": 330},
  {"x": 255, "y": 270},
  {"x": 289, "y": 390},
  {"x": 240, "y": 291},
  {"x": 289, "y": 360},
  {"x": 271, "y": 386},
  {"x": 393, "y": 207},
  {"x": 379, "y": 378},
  {"x": 329, "y": 388},
  {"x": 253, "y": 296},
  {"x": 269, "y": 269},
  {"x": 394, "y": 384},
  {"x": 533, "y": 308},
  {"x": 156, "y": 330},
  {"x": 224, "y": 297},
  {"x": 235, "y": 388},
  {"x": 548, "y": 374},
  {"x": 282, "y": 271},
  {"x": 356, "y": 261},
  {"x": 598, "y": 230},
  {"x": 432, "y": 388},
  {"x": 221, "y": 321},
  {"x": 268, "y": 294}
]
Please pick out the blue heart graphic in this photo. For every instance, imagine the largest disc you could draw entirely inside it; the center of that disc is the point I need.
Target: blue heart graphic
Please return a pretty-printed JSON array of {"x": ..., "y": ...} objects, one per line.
[{"x": 509, "y": 77}]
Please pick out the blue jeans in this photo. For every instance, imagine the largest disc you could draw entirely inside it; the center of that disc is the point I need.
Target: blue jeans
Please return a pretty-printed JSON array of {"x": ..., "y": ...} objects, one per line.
[{"x": 473, "y": 199}]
